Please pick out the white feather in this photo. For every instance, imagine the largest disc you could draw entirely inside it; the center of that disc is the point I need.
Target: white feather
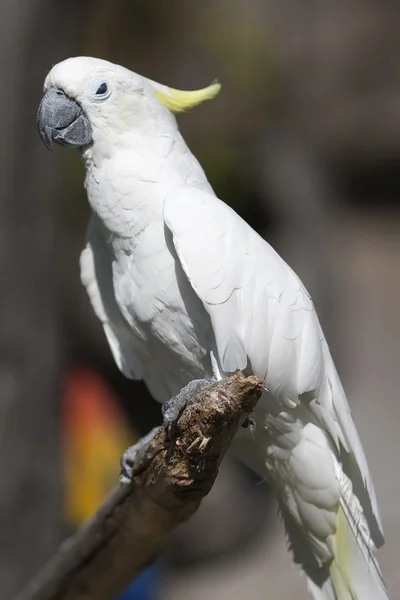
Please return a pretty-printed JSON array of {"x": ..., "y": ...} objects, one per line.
[
  {"x": 262, "y": 315},
  {"x": 96, "y": 276}
]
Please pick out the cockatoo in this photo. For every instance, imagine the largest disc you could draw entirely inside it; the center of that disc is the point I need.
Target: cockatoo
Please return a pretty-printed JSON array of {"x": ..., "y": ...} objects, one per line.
[{"x": 185, "y": 290}]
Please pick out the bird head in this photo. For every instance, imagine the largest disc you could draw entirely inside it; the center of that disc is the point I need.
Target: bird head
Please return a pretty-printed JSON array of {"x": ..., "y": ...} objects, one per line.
[{"x": 88, "y": 97}]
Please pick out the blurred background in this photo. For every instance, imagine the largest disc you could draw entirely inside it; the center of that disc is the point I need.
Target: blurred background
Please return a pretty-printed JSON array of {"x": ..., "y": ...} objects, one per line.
[{"x": 304, "y": 142}]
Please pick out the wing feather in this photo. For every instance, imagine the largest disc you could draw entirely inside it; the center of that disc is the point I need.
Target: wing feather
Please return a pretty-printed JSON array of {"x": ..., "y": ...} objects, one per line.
[
  {"x": 96, "y": 276},
  {"x": 262, "y": 315}
]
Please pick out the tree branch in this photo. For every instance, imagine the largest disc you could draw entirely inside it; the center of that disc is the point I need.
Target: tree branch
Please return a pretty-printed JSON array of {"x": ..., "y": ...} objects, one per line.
[{"x": 130, "y": 529}]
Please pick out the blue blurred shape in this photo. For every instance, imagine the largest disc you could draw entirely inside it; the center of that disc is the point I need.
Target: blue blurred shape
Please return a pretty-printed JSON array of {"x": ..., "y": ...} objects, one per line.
[{"x": 145, "y": 585}]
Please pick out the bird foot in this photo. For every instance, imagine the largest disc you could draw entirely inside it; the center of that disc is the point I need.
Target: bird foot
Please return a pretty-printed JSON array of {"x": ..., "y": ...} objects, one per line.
[
  {"x": 133, "y": 456},
  {"x": 173, "y": 408},
  {"x": 249, "y": 422},
  {"x": 171, "y": 411}
]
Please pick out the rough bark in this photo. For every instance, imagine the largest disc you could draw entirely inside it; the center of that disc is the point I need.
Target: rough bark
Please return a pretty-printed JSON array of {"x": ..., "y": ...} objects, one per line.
[{"x": 130, "y": 529}]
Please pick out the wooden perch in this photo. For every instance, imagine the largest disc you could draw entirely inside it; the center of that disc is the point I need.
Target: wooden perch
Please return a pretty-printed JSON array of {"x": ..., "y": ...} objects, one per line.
[{"x": 130, "y": 529}]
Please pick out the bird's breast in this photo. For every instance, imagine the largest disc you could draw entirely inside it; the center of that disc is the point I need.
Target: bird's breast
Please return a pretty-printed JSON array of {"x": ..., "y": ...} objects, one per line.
[{"x": 172, "y": 327}]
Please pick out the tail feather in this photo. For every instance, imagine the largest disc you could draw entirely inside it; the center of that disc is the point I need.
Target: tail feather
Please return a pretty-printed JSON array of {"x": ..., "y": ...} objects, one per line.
[
  {"x": 328, "y": 508},
  {"x": 353, "y": 573}
]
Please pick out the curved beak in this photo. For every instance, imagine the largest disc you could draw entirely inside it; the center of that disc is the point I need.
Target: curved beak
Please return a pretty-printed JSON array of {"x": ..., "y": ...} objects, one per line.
[{"x": 61, "y": 119}]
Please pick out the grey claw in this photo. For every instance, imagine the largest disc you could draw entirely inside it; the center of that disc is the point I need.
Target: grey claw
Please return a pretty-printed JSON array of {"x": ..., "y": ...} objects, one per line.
[
  {"x": 132, "y": 457},
  {"x": 249, "y": 422},
  {"x": 126, "y": 474},
  {"x": 172, "y": 409}
]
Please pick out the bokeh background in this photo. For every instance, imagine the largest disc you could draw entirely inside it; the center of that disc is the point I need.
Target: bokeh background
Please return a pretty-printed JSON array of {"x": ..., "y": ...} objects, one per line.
[{"x": 304, "y": 142}]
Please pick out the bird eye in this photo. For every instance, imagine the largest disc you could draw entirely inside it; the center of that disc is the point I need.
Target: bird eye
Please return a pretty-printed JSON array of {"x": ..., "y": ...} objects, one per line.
[
  {"x": 99, "y": 89},
  {"x": 102, "y": 89}
]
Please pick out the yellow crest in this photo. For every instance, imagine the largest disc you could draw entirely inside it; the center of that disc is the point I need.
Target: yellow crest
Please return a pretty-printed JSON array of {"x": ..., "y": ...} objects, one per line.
[{"x": 179, "y": 100}]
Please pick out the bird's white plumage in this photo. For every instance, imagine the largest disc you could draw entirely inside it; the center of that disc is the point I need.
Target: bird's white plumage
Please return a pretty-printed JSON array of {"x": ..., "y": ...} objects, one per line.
[
  {"x": 185, "y": 288},
  {"x": 96, "y": 275},
  {"x": 262, "y": 314}
]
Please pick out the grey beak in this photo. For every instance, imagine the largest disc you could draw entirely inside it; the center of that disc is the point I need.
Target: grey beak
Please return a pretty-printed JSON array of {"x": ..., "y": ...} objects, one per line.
[{"x": 61, "y": 119}]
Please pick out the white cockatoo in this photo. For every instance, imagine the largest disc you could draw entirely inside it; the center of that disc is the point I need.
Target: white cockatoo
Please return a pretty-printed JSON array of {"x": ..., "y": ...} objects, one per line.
[{"x": 186, "y": 289}]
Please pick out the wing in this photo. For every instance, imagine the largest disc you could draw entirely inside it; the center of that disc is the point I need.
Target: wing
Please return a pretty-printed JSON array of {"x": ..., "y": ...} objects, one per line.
[
  {"x": 263, "y": 316},
  {"x": 96, "y": 276},
  {"x": 259, "y": 309}
]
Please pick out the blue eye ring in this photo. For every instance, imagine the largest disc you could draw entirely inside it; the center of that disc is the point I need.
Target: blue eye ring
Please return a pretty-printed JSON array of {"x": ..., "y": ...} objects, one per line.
[{"x": 99, "y": 89}]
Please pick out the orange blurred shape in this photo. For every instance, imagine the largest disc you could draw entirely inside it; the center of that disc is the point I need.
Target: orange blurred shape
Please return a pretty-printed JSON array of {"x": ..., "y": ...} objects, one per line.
[{"x": 95, "y": 434}]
